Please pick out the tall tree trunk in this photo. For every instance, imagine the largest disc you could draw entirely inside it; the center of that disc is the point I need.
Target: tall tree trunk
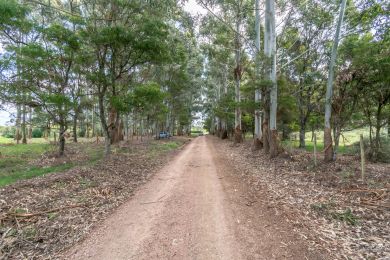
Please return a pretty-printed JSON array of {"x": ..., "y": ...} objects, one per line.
[
  {"x": 270, "y": 53},
  {"x": 302, "y": 133},
  {"x": 105, "y": 127},
  {"x": 266, "y": 135},
  {"x": 86, "y": 123},
  {"x": 224, "y": 133},
  {"x": 93, "y": 121},
  {"x": 75, "y": 126},
  {"x": 61, "y": 140},
  {"x": 24, "y": 127},
  {"x": 377, "y": 144},
  {"x": 328, "y": 151},
  {"x": 237, "y": 77},
  {"x": 127, "y": 126},
  {"x": 29, "y": 123},
  {"x": 113, "y": 124},
  {"x": 336, "y": 134},
  {"x": 18, "y": 134},
  {"x": 258, "y": 131}
]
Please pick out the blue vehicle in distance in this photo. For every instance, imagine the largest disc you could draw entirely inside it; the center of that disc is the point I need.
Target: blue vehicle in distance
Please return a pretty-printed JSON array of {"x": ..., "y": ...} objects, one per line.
[{"x": 163, "y": 135}]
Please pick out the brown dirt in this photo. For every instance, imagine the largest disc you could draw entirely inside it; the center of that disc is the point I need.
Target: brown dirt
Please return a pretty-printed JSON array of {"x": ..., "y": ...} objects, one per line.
[
  {"x": 54, "y": 223},
  {"x": 197, "y": 207},
  {"x": 328, "y": 205}
]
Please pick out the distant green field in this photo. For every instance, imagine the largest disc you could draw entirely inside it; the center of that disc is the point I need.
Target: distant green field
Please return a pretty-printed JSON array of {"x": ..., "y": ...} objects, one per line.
[
  {"x": 347, "y": 139},
  {"x": 4, "y": 140},
  {"x": 345, "y": 145},
  {"x": 15, "y": 158}
]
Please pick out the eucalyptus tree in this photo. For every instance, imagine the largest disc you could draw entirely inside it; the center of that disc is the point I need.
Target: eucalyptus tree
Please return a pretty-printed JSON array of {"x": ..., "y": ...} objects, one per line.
[
  {"x": 47, "y": 58},
  {"x": 270, "y": 54},
  {"x": 328, "y": 143},
  {"x": 233, "y": 14},
  {"x": 302, "y": 53},
  {"x": 122, "y": 37},
  {"x": 238, "y": 70},
  {"x": 258, "y": 121},
  {"x": 219, "y": 61}
]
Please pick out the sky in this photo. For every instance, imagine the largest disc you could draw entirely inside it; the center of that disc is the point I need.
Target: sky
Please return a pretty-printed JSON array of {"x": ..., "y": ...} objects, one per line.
[
  {"x": 191, "y": 6},
  {"x": 4, "y": 117}
]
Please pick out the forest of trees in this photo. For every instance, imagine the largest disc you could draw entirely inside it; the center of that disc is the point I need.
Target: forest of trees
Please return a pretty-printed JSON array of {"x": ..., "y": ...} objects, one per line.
[
  {"x": 299, "y": 66},
  {"x": 98, "y": 67},
  {"x": 118, "y": 68}
]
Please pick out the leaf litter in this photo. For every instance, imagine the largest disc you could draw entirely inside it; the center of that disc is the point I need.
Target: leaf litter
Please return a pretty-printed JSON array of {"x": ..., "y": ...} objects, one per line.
[
  {"x": 328, "y": 205},
  {"x": 42, "y": 217}
]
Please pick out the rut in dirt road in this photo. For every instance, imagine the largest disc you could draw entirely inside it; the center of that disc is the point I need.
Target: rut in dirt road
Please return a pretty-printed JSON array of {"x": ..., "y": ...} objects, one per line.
[{"x": 184, "y": 212}]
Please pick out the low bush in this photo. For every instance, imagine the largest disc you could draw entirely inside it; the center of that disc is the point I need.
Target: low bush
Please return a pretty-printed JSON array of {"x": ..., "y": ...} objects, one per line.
[{"x": 37, "y": 133}]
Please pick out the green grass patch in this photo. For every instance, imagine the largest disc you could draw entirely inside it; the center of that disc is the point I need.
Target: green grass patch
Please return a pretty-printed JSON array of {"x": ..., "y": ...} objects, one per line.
[
  {"x": 33, "y": 150},
  {"x": 166, "y": 146},
  {"x": 4, "y": 140},
  {"x": 309, "y": 146},
  {"x": 328, "y": 210},
  {"x": 31, "y": 172},
  {"x": 346, "y": 216},
  {"x": 15, "y": 160},
  {"x": 159, "y": 147}
]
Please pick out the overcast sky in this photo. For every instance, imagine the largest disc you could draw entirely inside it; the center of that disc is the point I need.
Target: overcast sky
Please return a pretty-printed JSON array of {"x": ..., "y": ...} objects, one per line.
[{"x": 192, "y": 7}]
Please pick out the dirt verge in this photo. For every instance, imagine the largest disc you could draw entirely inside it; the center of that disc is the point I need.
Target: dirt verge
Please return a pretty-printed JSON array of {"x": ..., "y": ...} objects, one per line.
[
  {"x": 41, "y": 217},
  {"x": 327, "y": 205}
]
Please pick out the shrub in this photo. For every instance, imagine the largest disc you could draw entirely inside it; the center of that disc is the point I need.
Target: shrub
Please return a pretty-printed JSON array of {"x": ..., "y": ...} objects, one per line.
[
  {"x": 37, "y": 133},
  {"x": 8, "y": 132},
  {"x": 82, "y": 132}
]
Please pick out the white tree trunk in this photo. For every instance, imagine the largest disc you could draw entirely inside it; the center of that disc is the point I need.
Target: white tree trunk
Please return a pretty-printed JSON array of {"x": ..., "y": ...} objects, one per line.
[
  {"x": 237, "y": 74},
  {"x": 225, "y": 91},
  {"x": 270, "y": 53},
  {"x": 329, "y": 87},
  {"x": 258, "y": 131}
]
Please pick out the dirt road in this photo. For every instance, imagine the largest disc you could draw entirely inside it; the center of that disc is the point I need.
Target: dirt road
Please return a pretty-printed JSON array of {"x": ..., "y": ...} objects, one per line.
[{"x": 194, "y": 208}]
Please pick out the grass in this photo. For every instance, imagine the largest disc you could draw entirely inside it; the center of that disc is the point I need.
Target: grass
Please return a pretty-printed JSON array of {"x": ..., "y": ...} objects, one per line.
[
  {"x": 14, "y": 161},
  {"x": 31, "y": 172},
  {"x": 4, "y": 140},
  {"x": 328, "y": 210},
  {"x": 346, "y": 145},
  {"x": 309, "y": 146},
  {"x": 159, "y": 147},
  {"x": 15, "y": 158}
]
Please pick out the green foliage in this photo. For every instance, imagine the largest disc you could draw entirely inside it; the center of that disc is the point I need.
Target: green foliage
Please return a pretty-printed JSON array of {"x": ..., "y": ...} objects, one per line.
[
  {"x": 82, "y": 132},
  {"x": 346, "y": 216},
  {"x": 160, "y": 147},
  {"x": 8, "y": 132},
  {"x": 12, "y": 15},
  {"x": 31, "y": 173},
  {"x": 147, "y": 96},
  {"x": 328, "y": 210},
  {"x": 37, "y": 133}
]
